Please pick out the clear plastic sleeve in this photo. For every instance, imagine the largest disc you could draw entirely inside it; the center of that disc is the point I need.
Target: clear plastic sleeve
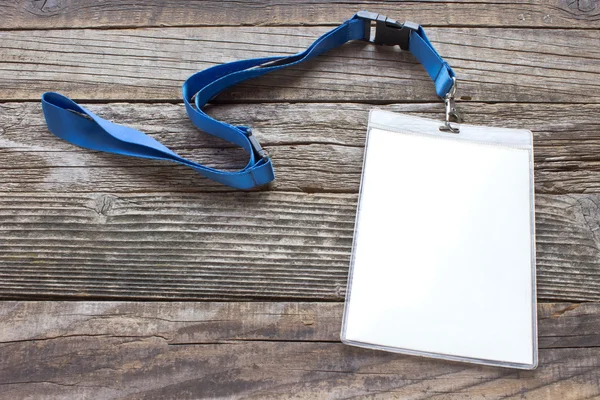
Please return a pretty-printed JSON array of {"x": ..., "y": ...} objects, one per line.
[{"x": 443, "y": 258}]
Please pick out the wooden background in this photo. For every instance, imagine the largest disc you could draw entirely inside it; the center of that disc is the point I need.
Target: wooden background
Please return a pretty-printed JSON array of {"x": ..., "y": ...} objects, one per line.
[{"x": 187, "y": 289}]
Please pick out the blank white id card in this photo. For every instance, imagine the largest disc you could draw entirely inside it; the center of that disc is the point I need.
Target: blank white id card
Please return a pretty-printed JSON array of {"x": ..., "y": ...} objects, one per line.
[{"x": 443, "y": 259}]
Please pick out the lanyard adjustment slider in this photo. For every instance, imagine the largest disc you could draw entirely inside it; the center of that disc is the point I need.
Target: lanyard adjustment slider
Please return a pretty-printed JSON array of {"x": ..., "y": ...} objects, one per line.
[{"x": 258, "y": 150}]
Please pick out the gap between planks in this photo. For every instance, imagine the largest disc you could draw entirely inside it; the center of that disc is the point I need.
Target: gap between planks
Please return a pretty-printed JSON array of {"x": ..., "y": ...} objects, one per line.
[{"x": 217, "y": 102}]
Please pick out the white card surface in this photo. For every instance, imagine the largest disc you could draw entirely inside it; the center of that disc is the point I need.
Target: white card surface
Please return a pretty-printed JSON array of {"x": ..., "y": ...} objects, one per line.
[{"x": 443, "y": 261}]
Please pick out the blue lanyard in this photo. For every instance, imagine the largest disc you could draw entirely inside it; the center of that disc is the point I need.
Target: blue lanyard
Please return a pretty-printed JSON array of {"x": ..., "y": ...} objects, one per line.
[{"x": 76, "y": 125}]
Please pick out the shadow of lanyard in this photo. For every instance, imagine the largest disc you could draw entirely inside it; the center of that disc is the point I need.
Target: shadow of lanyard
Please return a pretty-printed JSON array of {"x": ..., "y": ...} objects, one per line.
[{"x": 76, "y": 125}]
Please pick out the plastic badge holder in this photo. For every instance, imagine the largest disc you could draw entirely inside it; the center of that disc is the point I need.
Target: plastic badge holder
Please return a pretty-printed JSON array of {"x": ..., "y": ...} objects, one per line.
[{"x": 443, "y": 260}]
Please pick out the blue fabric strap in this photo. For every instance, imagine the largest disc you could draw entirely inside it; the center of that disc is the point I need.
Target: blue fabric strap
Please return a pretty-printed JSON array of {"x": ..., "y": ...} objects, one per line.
[{"x": 77, "y": 125}]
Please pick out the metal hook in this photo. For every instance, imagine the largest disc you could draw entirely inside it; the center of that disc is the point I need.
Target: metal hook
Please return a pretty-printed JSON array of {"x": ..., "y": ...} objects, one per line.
[{"x": 452, "y": 114}]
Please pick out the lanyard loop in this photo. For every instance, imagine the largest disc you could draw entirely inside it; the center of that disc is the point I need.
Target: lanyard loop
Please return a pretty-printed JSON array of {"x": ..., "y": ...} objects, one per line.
[{"x": 74, "y": 124}]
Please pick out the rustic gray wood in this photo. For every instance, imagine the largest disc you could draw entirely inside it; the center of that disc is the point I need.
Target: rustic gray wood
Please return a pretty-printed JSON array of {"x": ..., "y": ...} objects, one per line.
[
  {"x": 315, "y": 147},
  {"x": 493, "y": 64},
  {"x": 262, "y": 350},
  {"x": 95, "y": 232},
  {"x": 560, "y": 325},
  {"x": 235, "y": 245},
  {"x": 76, "y": 224},
  {"x": 38, "y": 14}
]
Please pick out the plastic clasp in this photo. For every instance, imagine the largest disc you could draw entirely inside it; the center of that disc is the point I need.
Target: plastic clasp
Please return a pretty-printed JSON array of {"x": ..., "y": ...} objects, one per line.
[
  {"x": 258, "y": 150},
  {"x": 387, "y": 31}
]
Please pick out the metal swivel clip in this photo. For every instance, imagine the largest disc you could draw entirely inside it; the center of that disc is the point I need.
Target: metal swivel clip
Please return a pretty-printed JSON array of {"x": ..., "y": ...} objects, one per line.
[{"x": 453, "y": 117}]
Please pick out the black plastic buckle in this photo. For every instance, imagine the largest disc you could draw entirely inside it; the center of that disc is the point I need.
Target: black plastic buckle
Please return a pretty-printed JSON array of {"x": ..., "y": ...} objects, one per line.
[
  {"x": 258, "y": 150},
  {"x": 388, "y": 31}
]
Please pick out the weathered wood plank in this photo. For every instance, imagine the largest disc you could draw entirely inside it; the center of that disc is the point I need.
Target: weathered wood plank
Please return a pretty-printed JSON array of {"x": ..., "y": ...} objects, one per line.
[
  {"x": 235, "y": 245},
  {"x": 147, "y": 368},
  {"x": 315, "y": 147},
  {"x": 560, "y": 325},
  {"x": 493, "y": 64},
  {"x": 190, "y": 350},
  {"x": 35, "y": 14}
]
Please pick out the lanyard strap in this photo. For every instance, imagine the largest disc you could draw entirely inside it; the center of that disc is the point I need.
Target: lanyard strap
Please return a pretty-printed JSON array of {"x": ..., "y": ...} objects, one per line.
[{"x": 77, "y": 125}]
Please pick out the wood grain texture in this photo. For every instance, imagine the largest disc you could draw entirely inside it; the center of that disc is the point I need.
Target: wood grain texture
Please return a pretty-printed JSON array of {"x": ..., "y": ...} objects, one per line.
[
  {"x": 315, "y": 147},
  {"x": 235, "y": 245},
  {"x": 262, "y": 350},
  {"x": 492, "y": 64},
  {"x": 38, "y": 14},
  {"x": 104, "y": 229},
  {"x": 79, "y": 225},
  {"x": 560, "y": 325}
]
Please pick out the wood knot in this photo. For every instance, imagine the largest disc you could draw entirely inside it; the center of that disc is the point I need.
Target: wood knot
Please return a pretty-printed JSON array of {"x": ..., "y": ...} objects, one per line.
[
  {"x": 46, "y": 7},
  {"x": 583, "y": 5},
  {"x": 104, "y": 204}
]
